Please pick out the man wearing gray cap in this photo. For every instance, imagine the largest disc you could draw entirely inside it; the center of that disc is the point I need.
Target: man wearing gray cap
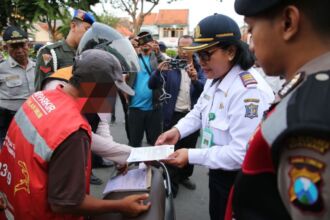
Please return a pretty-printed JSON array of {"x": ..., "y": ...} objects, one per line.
[
  {"x": 285, "y": 174},
  {"x": 16, "y": 76},
  {"x": 51, "y": 167}
]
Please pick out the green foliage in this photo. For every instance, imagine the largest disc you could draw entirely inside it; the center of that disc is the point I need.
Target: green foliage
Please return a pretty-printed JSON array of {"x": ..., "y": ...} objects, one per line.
[
  {"x": 171, "y": 53},
  {"x": 27, "y": 12},
  {"x": 109, "y": 19}
]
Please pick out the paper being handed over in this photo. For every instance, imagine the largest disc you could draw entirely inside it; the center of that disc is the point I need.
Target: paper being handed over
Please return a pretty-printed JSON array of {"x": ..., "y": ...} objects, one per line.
[{"x": 141, "y": 154}]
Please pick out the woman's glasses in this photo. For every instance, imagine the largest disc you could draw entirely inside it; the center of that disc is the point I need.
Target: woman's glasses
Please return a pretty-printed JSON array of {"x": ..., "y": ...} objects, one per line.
[{"x": 205, "y": 55}]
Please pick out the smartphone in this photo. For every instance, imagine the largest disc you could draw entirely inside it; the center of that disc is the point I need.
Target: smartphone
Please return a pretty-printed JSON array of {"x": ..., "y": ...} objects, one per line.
[
  {"x": 178, "y": 63},
  {"x": 144, "y": 39}
]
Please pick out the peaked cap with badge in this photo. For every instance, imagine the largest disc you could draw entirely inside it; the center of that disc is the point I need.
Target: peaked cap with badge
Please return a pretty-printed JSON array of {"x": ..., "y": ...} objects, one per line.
[
  {"x": 213, "y": 30},
  {"x": 13, "y": 35}
]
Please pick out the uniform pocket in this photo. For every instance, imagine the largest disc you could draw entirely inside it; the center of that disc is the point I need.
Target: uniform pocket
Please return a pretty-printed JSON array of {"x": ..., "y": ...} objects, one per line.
[{"x": 13, "y": 84}]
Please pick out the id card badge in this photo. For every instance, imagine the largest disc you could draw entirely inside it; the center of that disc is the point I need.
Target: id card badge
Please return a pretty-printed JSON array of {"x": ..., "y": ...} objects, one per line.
[{"x": 207, "y": 138}]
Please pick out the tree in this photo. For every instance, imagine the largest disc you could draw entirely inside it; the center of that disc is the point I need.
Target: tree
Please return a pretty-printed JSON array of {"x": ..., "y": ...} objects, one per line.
[
  {"x": 136, "y": 10},
  {"x": 109, "y": 19},
  {"x": 23, "y": 13}
]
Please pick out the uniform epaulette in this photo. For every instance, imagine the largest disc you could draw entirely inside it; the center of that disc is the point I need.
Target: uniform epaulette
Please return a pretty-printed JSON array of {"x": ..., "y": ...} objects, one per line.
[
  {"x": 248, "y": 80},
  {"x": 54, "y": 45}
]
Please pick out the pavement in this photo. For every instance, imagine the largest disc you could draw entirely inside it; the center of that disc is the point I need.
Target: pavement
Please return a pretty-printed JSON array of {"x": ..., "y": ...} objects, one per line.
[{"x": 189, "y": 204}]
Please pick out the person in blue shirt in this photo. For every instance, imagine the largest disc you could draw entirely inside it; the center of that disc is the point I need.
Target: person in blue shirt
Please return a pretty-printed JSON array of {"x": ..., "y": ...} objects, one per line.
[{"x": 144, "y": 108}]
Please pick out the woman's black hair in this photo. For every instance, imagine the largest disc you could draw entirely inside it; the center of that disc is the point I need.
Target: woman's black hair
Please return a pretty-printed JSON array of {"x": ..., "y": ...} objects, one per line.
[{"x": 243, "y": 56}]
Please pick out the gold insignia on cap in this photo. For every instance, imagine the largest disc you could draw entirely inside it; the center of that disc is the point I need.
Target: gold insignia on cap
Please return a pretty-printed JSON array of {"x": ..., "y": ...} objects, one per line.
[
  {"x": 16, "y": 34},
  {"x": 197, "y": 32}
]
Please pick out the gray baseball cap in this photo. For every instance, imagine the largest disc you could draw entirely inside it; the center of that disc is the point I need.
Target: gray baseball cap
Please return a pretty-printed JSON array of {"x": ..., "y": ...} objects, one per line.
[{"x": 98, "y": 66}]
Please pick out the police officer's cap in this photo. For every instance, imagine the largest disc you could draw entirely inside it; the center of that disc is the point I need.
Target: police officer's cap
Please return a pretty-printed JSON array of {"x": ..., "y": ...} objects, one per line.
[
  {"x": 83, "y": 16},
  {"x": 213, "y": 30},
  {"x": 254, "y": 7},
  {"x": 13, "y": 35},
  {"x": 99, "y": 66}
]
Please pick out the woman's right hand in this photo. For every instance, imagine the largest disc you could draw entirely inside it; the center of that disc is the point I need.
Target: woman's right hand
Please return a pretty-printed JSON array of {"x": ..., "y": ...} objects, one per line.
[{"x": 171, "y": 136}]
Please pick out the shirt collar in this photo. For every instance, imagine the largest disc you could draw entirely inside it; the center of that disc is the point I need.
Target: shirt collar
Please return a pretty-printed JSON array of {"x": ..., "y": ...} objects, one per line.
[
  {"x": 318, "y": 64},
  {"x": 67, "y": 48},
  {"x": 13, "y": 63},
  {"x": 229, "y": 78}
]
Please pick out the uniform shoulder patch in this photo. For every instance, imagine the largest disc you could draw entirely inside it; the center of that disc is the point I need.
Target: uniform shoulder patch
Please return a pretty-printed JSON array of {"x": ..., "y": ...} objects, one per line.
[
  {"x": 248, "y": 80},
  {"x": 306, "y": 181}
]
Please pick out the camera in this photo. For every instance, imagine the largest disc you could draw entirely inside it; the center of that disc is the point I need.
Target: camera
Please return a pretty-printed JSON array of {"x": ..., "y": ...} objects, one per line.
[
  {"x": 144, "y": 39},
  {"x": 177, "y": 63}
]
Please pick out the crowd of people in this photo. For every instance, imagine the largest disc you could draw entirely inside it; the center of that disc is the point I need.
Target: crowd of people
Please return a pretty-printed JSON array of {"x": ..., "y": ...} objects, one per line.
[{"x": 266, "y": 146}]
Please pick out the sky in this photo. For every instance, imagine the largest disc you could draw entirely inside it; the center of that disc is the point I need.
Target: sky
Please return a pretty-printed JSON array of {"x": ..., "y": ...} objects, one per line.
[{"x": 198, "y": 9}]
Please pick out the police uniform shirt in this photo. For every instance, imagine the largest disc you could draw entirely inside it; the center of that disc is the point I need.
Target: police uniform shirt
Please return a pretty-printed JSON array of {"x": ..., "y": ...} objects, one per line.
[
  {"x": 16, "y": 83},
  {"x": 238, "y": 102},
  {"x": 51, "y": 58},
  {"x": 303, "y": 172}
]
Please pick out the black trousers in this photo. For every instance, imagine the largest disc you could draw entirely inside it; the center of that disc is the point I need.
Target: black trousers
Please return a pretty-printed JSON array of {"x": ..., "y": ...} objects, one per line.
[
  {"x": 125, "y": 109},
  {"x": 220, "y": 183},
  {"x": 5, "y": 118},
  {"x": 179, "y": 174},
  {"x": 139, "y": 121}
]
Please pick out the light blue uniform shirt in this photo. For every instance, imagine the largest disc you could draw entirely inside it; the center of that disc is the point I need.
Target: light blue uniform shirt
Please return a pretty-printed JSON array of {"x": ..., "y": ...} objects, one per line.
[
  {"x": 16, "y": 83},
  {"x": 143, "y": 95}
]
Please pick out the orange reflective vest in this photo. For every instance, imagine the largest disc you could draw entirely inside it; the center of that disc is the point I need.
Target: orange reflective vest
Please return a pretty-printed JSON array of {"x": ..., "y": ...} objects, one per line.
[{"x": 44, "y": 121}]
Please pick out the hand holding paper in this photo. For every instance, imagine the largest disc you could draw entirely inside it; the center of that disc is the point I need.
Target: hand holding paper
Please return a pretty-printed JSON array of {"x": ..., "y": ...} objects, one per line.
[
  {"x": 143, "y": 154},
  {"x": 179, "y": 158}
]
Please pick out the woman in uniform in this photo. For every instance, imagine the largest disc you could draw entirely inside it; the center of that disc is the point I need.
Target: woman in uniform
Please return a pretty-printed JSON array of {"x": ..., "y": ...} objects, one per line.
[{"x": 228, "y": 111}]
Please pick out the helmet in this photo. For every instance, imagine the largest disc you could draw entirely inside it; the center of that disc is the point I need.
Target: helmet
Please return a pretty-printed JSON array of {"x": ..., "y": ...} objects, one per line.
[{"x": 101, "y": 36}]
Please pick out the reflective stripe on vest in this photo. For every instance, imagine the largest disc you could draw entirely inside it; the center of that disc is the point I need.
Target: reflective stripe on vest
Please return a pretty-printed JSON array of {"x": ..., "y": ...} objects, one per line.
[{"x": 32, "y": 136}]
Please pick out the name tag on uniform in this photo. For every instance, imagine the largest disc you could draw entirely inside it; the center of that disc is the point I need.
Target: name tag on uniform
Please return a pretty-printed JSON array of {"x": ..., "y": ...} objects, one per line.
[{"x": 207, "y": 138}]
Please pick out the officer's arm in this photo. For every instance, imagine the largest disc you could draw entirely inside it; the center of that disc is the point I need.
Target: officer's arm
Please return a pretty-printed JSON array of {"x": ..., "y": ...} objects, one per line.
[
  {"x": 44, "y": 67},
  {"x": 245, "y": 112}
]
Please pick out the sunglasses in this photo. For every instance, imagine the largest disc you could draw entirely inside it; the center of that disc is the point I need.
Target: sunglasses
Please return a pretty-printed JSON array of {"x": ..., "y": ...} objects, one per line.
[{"x": 205, "y": 55}]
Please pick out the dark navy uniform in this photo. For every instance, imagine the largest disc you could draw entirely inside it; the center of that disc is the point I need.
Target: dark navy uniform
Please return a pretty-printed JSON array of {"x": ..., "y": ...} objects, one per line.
[{"x": 285, "y": 174}]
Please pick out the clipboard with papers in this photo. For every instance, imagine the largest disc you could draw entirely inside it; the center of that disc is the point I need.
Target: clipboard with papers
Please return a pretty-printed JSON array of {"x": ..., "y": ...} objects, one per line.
[{"x": 135, "y": 180}]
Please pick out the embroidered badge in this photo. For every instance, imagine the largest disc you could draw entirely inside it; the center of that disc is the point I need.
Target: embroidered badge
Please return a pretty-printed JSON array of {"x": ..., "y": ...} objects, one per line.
[
  {"x": 251, "y": 111},
  {"x": 197, "y": 32},
  {"x": 305, "y": 184},
  {"x": 248, "y": 80},
  {"x": 252, "y": 100},
  {"x": 15, "y": 34},
  {"x": 46, "y": 58},
  {"x": 45, "y": 69},
  {"x": 316, "y": 144}
]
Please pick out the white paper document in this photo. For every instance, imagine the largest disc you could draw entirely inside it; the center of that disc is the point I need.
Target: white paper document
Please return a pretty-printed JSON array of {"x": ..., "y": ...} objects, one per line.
[
  {"x": 134, "y": 180},
  {"x": 141, "y": 154}
]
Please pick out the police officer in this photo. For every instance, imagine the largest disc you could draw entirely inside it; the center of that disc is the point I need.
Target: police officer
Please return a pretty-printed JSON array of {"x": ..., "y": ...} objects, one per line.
[
  {"x": 285, "y": 174},
  {"x": 16, "y": 76},
  {"x": 60, "y": 54},
  {"x": 228, "y": 111}
]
